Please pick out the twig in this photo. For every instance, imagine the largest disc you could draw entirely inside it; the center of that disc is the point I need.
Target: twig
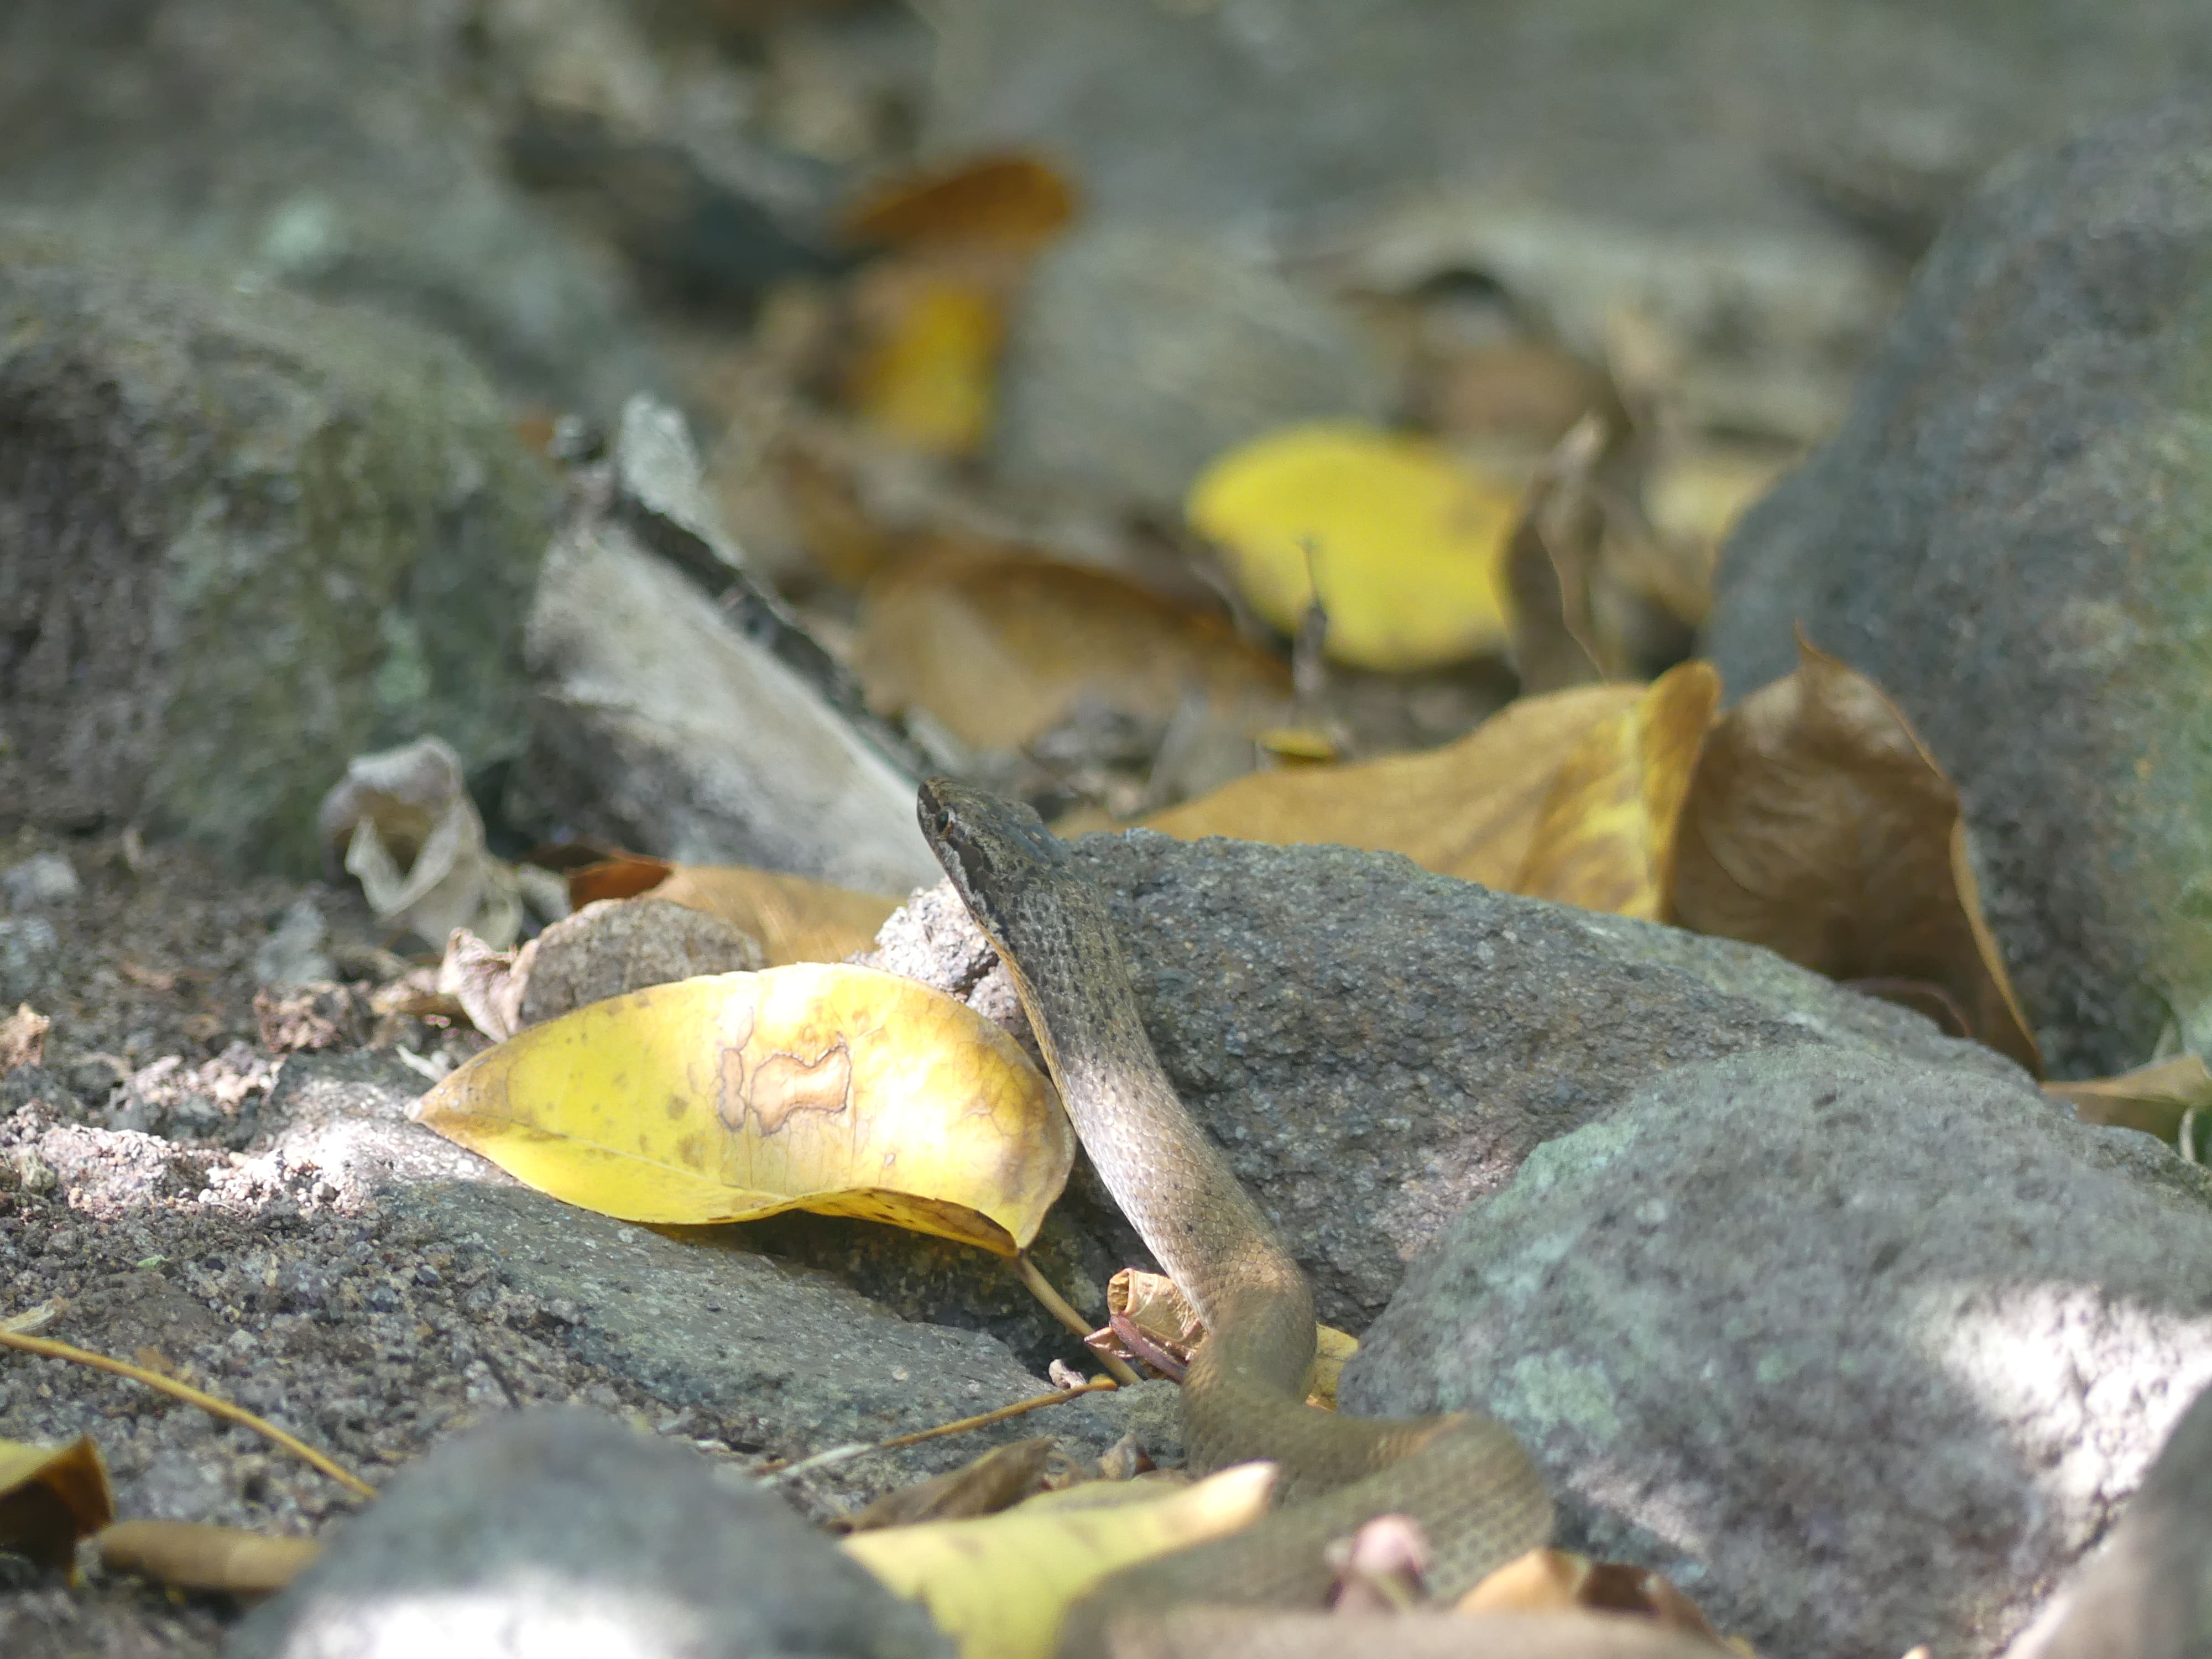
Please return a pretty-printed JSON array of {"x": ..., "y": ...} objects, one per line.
[
  {"x": 192, "y": 1396},
  {"x": 858, "y": 1449},
  {"x": 1057, "y": 1306}
]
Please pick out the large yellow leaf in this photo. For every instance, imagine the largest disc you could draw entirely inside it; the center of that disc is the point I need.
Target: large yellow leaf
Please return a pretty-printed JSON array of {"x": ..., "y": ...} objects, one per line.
[
  {"x": 999, "y": 647},
  {"x": 1605, "y": 839},
  {"x": 50, "y": 1497},
  {"x": 1404, "y": 539},
  {"x": 1467, "y": 809},
  {"x": 726, "y": 1098},
  {"x": 1000, "y": 1586},
  {"x": 1819, "y": 826}
]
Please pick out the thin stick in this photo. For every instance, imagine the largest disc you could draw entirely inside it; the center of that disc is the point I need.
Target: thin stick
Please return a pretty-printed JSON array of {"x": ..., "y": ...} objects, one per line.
[
  {"x": 843, "y": 1453},
  {"x": 190, "y": 1396},
  {"x": 1057, "y": 1306}
]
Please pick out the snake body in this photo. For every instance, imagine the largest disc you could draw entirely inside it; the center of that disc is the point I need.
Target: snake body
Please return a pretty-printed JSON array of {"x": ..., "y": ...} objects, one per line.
[{"x": 1465, "y": 1478}]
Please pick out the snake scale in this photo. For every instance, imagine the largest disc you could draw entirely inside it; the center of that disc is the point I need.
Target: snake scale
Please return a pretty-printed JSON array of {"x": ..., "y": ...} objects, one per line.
[{"x": 1465, "y": 1478}]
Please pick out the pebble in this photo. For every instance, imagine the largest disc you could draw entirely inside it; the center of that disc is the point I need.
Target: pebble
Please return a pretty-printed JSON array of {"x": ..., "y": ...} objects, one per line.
[{"x": 41, "y": 879}]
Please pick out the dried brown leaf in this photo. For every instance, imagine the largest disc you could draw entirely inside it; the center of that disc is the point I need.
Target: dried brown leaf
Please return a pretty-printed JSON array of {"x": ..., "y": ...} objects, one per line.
[
  {"x": 1605, "y": 839},
  {"x": 998, "y": 1480},
  {"x": 2156, "y": 1098},
  {"x": 1468, "y": 809},
  {"x": 23, "y": 1038},
  {"x": 1819, "y": 826},
  {"x": 50, "y": 1497},
  {"x": 1001, "y": 648}
]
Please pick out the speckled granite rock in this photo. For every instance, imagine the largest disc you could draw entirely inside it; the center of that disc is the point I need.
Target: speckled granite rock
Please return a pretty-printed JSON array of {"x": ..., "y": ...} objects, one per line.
[
  {"x": 1861, "y": 1353},
  {"x": 242, "y": 539},
  {"x": 562, "y": 1531},
  {"x": 1376, "y": 1046},
  {"x": 2012, "y": 534}
]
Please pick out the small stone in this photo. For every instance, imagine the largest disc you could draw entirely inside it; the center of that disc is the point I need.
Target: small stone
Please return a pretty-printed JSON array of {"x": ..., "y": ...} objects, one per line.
[
  {"x": 560, "y": 1531},
  {"x": 41, "y": 879},
  {"x": 614, "y": 946}
]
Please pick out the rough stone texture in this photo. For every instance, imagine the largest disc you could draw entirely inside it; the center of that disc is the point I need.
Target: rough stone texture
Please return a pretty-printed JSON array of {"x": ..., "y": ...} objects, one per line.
[
  {"x": 242, "y": 539},
  {"x": 1145, "y": 352},
  {"x": 321, "y": 146},
  {"x": 2012, "y": 534},
  {"x": 2146, "y": 1593},
  {"x": 1860, "y": 1353},
  {"x": 619, "y": 946},
  {"x": 560, "y": 1531},
  {"x": 364, "y": 1282},
  {"x": 1374, "y": 1046}
]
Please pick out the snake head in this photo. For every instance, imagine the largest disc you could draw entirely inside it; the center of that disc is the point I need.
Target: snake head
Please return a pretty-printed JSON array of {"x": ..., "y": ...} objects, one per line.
[{"x": 991, "y": 846}]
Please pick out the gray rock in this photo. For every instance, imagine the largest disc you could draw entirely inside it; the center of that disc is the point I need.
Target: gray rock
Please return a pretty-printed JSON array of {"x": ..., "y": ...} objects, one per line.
[
  {"x": 2147, "y": 1592},
  {"x": 42, "y": 879},
  {"x": 295, "y": 953},
  {"x": 1861, "y": 1353},
  {"x": 561, "y": 1530},
  {"x": 28, "y": 945},
  {"x": 619, "y": 946},
  {"x": 242, "y": 539},
  {"x": 1140, "y": 353},
  {"x": 661, "y": 725},
  {"x": 2010, "y": 534},
  {"x": 1374, "y": 1046},
  {"x": 318, "y": 146}
]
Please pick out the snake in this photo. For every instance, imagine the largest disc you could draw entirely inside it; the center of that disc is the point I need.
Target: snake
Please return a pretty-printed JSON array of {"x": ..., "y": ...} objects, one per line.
[{"x": 1464, "y": 1477}]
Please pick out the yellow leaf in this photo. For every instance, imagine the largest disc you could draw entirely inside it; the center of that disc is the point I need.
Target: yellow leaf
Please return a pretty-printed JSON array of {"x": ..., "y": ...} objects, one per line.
[
  {"x": 737, "y": 1096},
  {"x": 1000, "y": 648},
  {"x": 2156, "y": 1098},
  {"x": 1000, "y": 1586},
  {"x": 200, "y": 1556},
  {"x": 1605, "y": 839},
  {"x": 795, "y": 920},
  {"x": 927, "y": 376},
  {"x": 50, "y": 1497},
  {"x": 1818, "y": 826},
  {"x": 1405, "y": 540},
  {"x": 1467, "y": 809}
]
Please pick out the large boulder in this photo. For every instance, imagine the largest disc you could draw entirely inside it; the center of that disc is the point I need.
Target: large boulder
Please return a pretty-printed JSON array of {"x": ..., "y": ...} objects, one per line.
[
  {"x": 1861, "y": 1353},
  {"x": 319, "y": 145},
  {"x": 1376, "y": 1046},
  {"x": 2012, "y": 534},
  {"x": 243, "y": 537}
]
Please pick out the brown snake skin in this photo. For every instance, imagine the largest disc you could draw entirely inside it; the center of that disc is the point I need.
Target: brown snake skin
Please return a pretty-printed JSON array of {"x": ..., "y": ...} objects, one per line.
[{"x": 1465, "y": 1478}]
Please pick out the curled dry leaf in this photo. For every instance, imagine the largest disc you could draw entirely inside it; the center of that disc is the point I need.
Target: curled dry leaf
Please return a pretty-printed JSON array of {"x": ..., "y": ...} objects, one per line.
[
  {"x": 1401, "y": 540},
  {"x": 1204, "y": 1633},
  {"x": 837, "y": 1089},
  {"x": 1007, "y": 198},
  {"x": 1467, "y": 809},
  {"x": 195, "y": 1555},
  {"x": 1161, "y": 1316},
  {"x": 2156, "y": 1099},
  {"x": 1000, "y": 1586},
  {"x": 1818, "y": 826},
  {"x": 1595, "y": 592},
  {"x": 1000, "y": 648},
  {"x": 999, "y": 1478},
  {"x": 792, "y": 917},
  {"x": 1561, "y": 1581},
  {"x": 23, "y": 1038},
  {"x": 1605, "y": 837},
  {"x": 50, "y": 1497},
  {"x": 404, "y": 824}
]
